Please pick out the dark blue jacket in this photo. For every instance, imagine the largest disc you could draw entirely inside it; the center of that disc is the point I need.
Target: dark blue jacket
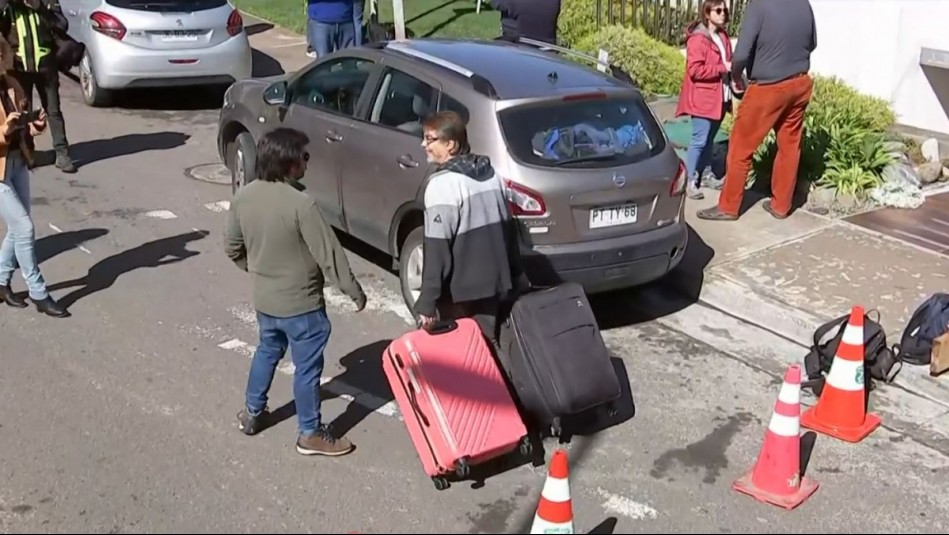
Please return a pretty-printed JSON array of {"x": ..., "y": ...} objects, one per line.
[{"x": 330, "y": 11}]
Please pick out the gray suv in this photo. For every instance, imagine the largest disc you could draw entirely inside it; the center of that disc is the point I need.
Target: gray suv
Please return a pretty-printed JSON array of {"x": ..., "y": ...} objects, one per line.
[{"x": 594, "y": 183}]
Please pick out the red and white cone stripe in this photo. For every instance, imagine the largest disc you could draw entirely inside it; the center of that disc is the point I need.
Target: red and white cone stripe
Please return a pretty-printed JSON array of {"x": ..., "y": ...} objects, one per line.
[
  {"x": 846, "y": 371},
  {"x": 786, "y": 418}
]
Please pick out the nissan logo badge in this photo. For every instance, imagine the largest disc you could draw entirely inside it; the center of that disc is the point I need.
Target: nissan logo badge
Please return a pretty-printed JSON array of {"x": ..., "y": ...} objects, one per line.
[{"x": 619, "y": 180}]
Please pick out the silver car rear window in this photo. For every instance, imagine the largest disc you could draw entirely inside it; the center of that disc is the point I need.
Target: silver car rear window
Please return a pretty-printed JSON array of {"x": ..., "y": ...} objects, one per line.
[
  {"x": 583, "y": 131},
  {"x": 167, "y": 5}
]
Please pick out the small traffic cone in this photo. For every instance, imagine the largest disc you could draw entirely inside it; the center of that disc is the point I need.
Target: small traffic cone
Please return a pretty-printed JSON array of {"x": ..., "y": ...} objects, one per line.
[
  {"x": 841, "y": 410},
  {"x": 555, "y": 510},
  {"x": 776, "y": 476}
]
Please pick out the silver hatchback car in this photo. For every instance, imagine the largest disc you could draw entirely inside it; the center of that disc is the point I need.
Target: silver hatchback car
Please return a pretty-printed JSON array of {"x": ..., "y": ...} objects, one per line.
[
  {"x": 156, "y": 43},
  {"x": 592, "y": 179}
]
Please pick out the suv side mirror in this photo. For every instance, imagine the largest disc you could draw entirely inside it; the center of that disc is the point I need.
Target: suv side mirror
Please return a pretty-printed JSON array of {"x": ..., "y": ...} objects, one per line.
[{"x": 276, "y": 94}]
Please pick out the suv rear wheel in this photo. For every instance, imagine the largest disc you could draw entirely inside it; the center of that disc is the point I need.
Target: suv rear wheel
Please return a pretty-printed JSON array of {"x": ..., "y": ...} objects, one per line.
[
  {"x": 410, "y": 268},
  {"x": 242, "y": 161}
]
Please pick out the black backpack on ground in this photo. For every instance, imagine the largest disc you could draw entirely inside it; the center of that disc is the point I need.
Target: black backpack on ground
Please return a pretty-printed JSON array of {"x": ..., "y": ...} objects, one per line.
[
  {"x": 929, "y": 321},
  {"x": 880, "y": 361}
]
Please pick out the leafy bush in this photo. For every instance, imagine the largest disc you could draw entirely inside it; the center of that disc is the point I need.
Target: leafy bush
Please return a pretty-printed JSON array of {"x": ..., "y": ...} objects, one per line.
[
  {"x": 844, "y": 142},
  {"x": 578, "y": 19},
  {"x": 657, "y": 68}
]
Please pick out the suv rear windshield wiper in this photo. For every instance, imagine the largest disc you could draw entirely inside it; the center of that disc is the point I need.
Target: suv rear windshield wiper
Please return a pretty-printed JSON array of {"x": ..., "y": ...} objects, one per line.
[{"x": 581, "y": 159}]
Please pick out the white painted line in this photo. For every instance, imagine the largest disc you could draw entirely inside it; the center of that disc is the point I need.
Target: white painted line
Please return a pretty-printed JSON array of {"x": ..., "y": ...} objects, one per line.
[
  {"x": 83, "y": 249},
  {"x": 622, "y": 505},
  {"x": 54, "y": 227},
  {"x": 288, "y": 45},
  {"x": 218, "y": 207},
  {"x": 59, "y": 230},
  {"x": 333, "y": 385},
  {"x": 161, "y": 214},
  {"x": 377, "y": 300}
]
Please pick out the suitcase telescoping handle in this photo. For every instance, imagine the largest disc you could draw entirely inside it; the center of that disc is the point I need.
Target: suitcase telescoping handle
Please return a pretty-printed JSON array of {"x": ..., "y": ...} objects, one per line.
[{"x": 441, "y": 327}]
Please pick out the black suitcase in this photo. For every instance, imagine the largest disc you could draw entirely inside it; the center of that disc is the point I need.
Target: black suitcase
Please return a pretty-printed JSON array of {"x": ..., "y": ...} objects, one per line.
[{"x": 554, "y": 356}]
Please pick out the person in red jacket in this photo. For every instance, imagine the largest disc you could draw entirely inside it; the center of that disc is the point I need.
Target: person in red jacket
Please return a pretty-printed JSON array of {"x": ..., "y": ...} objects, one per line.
[{"x": 706, "y": 93}]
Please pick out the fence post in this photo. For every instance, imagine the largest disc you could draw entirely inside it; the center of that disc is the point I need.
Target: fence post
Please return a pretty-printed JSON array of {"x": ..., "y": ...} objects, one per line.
[{"x": 599, "y": 13}]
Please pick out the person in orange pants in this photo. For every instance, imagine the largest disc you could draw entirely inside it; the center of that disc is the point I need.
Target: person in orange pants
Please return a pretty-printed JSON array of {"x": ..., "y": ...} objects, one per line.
[{"x": 774, "y": 45}]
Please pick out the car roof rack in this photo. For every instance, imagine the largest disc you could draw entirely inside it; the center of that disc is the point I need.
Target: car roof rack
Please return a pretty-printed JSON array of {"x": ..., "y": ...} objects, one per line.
[
  {"x": 479, "y": 82},
  {"x": 615, "y": 71}
]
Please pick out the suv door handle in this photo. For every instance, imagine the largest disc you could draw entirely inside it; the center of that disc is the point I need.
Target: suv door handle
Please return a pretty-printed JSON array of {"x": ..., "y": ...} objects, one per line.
[
  {"x": 406, "y": 161},
  {"x": 333, "y": 137}
]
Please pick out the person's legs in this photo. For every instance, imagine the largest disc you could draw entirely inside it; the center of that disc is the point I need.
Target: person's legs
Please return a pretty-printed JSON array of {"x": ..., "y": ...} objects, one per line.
[
  {"x": 345, "y": 35},
  {"x": 311, "y": 38},
  {"x": 18, "y": 247},
  {"x": 270, "y": 350},
  {"x": 787, "y": 161},
  {"x": 700, "y": 135},
  {"x": 308, "y": 334},
  {"x": 757, "y": 115},
  {"x": 322, "y": 38},
  {"x": 358, "y": 13}
]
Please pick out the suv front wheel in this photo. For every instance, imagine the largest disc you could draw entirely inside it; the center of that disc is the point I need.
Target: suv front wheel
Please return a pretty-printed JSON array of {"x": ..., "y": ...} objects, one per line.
[{"x": 410, "y": 268}]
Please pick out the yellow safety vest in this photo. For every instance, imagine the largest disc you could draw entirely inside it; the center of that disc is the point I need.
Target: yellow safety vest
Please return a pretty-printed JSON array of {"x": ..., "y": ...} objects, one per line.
[{"x": 27, "y": 28}]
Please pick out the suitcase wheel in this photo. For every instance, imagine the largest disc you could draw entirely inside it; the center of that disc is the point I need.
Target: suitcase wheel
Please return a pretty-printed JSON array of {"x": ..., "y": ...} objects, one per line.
[
  {"x": 462, "y": 468},
  {"x": 440, "y": 483},
  {"x": 526, "y": 447}
]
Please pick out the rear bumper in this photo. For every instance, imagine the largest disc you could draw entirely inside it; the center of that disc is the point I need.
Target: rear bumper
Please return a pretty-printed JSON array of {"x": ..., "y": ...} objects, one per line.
[
  {"x": 121, "y": 66},
  {"x": 613, "y": 264}
]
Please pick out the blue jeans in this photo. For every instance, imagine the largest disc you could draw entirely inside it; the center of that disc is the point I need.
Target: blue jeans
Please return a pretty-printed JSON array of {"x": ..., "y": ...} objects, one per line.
[
  {"x": 18, "y": 246},
  {"x": 700, "y": 147},
  {"x": 326, "y": 38},
  {"x": 358, "y": 10},
  {"x": 306, "y": 335}
]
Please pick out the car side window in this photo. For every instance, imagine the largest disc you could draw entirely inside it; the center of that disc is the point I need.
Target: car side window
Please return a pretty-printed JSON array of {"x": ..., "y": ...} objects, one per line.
[
  {"x": 403, "y": 102},
  {"x": 334, "y": 86},
  {"x": 446, "y": 103}
]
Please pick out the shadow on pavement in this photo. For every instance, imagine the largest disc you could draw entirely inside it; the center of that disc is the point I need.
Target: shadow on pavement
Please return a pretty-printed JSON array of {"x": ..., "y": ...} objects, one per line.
[
  {"x": 607, "y": 527},
  {"x": 363, "y": 374},
  {"x": 53, "y": 245},
  {"x": 258, "y": 27},
  {"x": 88, "y": 152},
  {"x": 103, "y": 274}
]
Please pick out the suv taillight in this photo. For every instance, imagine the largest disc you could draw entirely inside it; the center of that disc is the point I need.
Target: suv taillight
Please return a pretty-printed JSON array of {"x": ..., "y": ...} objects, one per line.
[
  {"x": 523, "y": 201},
  {"x": 678, "y": 183},
  {"x": 235, "y": 23},
  {"x": 107, "y": 25}
]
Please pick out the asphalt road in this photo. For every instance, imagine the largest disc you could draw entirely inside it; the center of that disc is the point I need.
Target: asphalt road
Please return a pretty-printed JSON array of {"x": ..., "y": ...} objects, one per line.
[{"x": 121, "y": 418}]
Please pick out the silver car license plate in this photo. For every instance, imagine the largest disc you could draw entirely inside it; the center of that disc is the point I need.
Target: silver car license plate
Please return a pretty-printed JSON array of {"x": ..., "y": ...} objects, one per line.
[{"x": 173, "y": 36}]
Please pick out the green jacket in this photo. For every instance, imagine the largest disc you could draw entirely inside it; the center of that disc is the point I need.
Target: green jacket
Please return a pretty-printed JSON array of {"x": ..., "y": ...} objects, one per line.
[{"x": 32, "y": 33}]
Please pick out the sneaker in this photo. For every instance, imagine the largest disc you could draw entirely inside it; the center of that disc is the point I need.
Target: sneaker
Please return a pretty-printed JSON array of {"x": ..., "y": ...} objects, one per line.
[
  {"x": 311, "y": 53},
  {"x": 251, "y": 425},
  {"x": 693, "y": 191},
  {"x": 323, "y": 443},
  {"x": 65, "y": 163}
]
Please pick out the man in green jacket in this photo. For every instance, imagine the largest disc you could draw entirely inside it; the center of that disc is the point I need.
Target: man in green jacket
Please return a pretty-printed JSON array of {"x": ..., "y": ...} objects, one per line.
[{"x": 276, "y": 232}]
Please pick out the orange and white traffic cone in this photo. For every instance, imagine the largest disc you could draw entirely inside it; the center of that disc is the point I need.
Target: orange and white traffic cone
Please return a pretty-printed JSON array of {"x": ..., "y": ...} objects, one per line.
[
  {"x": 555, "y": 510},
  {"x": 841, "y": 410},
  {"x": 776, "y": 476}
]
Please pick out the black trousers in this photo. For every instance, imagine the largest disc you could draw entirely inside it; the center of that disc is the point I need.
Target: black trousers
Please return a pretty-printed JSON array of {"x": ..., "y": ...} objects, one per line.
[
  {"x": 486, "y": 312},
  {"x": 47, "y": 85}
]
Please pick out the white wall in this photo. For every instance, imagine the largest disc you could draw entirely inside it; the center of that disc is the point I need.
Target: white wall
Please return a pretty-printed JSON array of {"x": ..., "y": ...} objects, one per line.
[{"x": 874, "y": 45}]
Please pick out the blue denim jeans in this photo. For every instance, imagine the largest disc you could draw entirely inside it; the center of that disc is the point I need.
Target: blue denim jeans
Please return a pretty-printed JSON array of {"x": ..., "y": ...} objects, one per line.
[
  {"x": 358, "y": 10},
  {"x": 700, "y": 147},
  {"x": 326, "y": 37},
  {"x": 306, "y": 336},
  {"x": 18, "y": 248}
]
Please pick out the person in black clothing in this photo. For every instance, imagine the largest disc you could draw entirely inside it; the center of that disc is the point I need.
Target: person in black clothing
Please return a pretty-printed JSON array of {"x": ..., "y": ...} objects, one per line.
[
  {"x": 534, "y": 19},
  {"x": 33, "y": 28}
]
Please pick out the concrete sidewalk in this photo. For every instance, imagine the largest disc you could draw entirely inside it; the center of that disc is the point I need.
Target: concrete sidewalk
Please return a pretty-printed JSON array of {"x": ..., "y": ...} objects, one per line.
[{"x": 791, "y": 276}]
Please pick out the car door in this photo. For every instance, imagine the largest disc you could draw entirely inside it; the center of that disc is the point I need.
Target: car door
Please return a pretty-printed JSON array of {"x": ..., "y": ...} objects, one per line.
[
  {"x": 387, "y": 164},
  {"x": 323, "y": 104}
]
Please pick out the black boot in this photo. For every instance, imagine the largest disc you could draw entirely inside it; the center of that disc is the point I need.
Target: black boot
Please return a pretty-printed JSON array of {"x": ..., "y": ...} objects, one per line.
[
  {"x": 50, "y": 307},
  {"x": 11, "y": 299},
  {"x": 64, "y": 162}
]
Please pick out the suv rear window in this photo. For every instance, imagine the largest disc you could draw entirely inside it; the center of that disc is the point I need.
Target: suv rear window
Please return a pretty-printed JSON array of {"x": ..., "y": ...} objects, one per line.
[
  {"x": 178, "y": 6},
  {"x": 583, "y": 132}
]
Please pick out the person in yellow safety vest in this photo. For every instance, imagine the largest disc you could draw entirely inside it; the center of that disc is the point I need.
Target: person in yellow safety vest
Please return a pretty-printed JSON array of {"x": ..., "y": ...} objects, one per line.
[{"x": 31, "y": 27}]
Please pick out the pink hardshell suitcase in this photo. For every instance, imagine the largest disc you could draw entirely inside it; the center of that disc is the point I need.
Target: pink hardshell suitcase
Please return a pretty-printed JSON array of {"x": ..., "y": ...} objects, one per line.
[{"x": 453, "y": 398}]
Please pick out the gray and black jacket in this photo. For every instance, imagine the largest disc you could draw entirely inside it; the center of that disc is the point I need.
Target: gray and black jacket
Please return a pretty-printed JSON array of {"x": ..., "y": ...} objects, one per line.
[{"x": 470, "y": 248}]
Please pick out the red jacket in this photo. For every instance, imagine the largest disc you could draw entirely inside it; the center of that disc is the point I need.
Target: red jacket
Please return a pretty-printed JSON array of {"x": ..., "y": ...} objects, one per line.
[{"x": 701, "y": 92}]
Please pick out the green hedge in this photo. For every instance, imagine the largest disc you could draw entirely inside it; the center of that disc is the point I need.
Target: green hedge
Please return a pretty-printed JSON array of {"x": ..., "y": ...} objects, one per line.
[{"x": 657, "y": 68}]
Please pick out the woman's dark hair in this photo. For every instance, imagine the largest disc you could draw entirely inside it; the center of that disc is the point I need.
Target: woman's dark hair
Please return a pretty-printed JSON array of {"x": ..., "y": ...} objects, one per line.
[
  {"x": 450, "y": 127},
  {"x": 278, "y": 152},
  {"x": 705, "y": 10}
]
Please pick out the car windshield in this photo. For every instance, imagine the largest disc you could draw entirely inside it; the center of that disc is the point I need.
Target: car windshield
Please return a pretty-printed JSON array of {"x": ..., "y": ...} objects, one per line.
[
  {"x": 167, "y": 5},
  {"x": 586, "y": 131}
]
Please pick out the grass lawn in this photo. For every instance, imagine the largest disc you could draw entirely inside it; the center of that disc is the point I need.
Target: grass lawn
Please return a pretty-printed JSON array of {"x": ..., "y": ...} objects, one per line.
[{"x": 423, "y": 18}]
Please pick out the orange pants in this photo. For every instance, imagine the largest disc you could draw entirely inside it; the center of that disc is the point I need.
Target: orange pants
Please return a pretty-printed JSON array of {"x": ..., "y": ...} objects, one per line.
[{"x": 779, "y": 107}]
